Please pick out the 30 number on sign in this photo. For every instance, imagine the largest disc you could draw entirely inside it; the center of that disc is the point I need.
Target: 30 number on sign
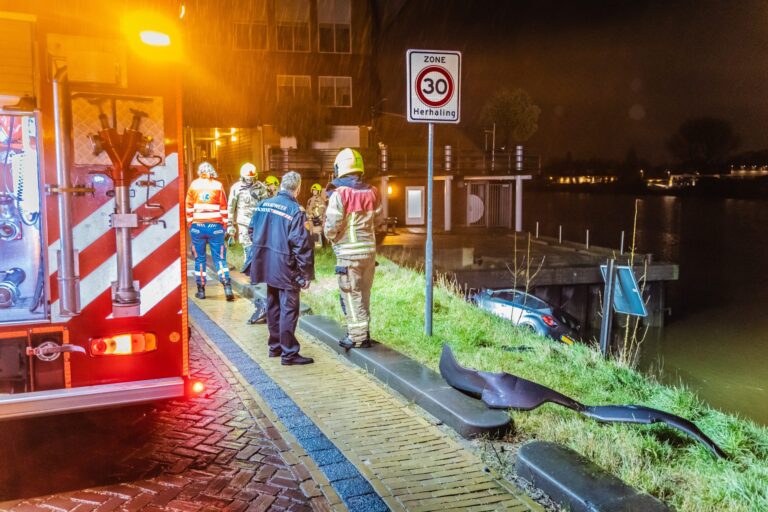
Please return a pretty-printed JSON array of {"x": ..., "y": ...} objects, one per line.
[{"x": 434, "y": 86}]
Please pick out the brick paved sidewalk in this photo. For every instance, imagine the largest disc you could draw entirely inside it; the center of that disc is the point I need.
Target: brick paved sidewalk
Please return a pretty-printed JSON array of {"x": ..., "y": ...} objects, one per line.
[{"x": 220, "y": 452}]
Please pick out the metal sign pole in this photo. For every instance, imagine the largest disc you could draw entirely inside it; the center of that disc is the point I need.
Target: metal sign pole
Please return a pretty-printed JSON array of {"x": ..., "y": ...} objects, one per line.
[
  {"x": 607, "y": 321},
  {"x": 428, "y": 256}
]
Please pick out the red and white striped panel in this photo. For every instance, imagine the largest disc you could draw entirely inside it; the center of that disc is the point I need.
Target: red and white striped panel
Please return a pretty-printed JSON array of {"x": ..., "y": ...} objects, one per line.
[{"x": 156, "y": 258}]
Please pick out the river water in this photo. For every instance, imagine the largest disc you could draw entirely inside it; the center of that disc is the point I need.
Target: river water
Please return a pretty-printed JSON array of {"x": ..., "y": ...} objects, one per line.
[{"x": 716, "y": 337}]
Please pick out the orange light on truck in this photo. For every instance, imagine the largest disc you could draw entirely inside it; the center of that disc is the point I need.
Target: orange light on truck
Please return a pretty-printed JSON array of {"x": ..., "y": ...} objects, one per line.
[
  {"x": 154, "y": 38},
  {"x": 123, "y": 344}
]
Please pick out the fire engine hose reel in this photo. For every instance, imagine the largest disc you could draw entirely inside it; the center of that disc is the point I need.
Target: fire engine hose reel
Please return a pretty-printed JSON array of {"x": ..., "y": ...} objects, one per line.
[{"x": 10, "y": 280}]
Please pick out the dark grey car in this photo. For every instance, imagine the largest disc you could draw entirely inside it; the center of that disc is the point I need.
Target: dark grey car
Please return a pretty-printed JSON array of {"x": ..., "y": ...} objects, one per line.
[{"x": 529, "y": 311}]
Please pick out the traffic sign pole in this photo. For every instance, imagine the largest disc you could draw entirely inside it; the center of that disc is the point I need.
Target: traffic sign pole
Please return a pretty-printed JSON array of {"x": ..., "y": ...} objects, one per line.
[
  {"x": 428, "y": 255},
  {"x": 434, "y": 96}
]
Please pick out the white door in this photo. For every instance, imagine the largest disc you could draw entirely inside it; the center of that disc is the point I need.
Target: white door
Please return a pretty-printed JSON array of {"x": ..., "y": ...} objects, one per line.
[{"x": 414, "y": 206}]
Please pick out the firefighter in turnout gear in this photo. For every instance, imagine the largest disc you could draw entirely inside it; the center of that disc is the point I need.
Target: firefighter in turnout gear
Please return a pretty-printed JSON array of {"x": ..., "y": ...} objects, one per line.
[
  {"x": 351, "y": 217},
  {"x": 207, "y": 218},
  {"x": 316, "y": 214},
  {"x": 243, "y": 198}
]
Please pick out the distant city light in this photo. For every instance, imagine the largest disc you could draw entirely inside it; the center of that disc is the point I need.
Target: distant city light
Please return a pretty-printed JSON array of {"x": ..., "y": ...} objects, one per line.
[{"x": 154, "y": 38}]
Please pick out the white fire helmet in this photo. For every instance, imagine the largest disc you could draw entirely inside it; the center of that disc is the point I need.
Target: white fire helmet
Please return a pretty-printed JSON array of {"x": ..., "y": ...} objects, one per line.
[
  {"x": 206, "y": 170},
  {"x": 348, "y": 161},
  {"x": 248, "y": 173}
]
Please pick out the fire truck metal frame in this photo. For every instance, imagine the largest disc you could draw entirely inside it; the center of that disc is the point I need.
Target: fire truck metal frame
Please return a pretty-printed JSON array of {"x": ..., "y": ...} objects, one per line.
[{"x": 70, "y": 341}]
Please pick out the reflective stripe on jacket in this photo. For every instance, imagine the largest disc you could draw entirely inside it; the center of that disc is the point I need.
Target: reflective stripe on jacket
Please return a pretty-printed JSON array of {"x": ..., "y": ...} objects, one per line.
[
  {"x": 351, "y": 218},
  {"x": 207, "y": 202},
  {"x": 282, "y": 254},
  {"x": 243, "y": 200}
]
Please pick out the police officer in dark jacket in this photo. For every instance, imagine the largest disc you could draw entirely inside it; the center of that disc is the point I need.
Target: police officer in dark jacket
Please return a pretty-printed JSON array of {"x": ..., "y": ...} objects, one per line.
[{"x": 283, "y": 259}]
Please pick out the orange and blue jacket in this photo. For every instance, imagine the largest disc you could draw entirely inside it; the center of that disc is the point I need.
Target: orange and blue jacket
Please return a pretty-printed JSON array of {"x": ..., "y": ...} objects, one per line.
[{"x": 207, "y": 202}]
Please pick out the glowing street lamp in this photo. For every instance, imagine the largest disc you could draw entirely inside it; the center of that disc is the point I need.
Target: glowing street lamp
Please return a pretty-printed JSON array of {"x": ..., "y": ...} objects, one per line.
[{"x": 154, "y": 38}]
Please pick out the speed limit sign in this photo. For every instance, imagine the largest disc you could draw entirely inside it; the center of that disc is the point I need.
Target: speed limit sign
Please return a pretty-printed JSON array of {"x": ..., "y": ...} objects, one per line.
[{"x": 434, "y": 84}]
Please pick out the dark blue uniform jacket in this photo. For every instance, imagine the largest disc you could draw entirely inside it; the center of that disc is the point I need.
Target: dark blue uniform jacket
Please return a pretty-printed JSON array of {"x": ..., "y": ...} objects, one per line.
[{"x": 282, "y": 253}]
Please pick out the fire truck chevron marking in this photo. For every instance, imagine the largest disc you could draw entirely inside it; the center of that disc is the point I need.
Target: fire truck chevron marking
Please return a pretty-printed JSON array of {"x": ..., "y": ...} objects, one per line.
[
  {"x": 159, "y": 288},
  {"x": 98, "y": 281},
  {"x": 96, "y": 224}
]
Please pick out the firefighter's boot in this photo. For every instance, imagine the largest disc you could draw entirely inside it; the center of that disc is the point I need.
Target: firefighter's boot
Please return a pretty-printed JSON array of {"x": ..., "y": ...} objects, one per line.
[
  {"x": 228, "y": 291},
  {"x": 200, "y": 292},
  {"x": 367, "y": 342},
  {"x": 346, "y": 343}
]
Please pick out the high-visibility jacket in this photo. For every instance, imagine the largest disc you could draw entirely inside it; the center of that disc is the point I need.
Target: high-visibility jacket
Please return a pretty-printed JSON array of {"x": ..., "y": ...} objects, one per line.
[
  {"x": 207, "y": 202},
  {"x": 353, "y": 212}
]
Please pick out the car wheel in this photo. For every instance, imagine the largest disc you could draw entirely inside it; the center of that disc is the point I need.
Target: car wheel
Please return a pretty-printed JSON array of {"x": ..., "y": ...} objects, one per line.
[{"x": 531, "y": 328}]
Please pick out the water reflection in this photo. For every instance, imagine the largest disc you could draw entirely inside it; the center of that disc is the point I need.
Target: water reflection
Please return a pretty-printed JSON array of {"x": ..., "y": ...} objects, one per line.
[{"x": 716, "y": 339}]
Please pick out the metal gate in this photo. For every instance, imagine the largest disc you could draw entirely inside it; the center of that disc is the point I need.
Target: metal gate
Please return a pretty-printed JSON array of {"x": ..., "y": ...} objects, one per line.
[{"x": 489, "y": 204}]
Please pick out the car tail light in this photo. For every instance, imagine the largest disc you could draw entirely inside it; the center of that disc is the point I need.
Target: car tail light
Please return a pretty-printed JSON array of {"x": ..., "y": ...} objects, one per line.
[
  {"x": 123, "y": 344},
  {"x": 548, "y": 320}
]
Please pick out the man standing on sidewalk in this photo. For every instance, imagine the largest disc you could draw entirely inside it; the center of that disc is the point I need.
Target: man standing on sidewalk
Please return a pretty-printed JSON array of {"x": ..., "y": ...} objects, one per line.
[
  {"x": 283, "y": 259},
  {"x": 207, "y": 218},
  {"x": 353, "y": 212}
]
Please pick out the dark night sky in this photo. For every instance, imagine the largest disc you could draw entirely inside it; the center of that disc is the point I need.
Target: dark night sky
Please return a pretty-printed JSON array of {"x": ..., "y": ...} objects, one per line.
[{"x": 607, "y": 75}]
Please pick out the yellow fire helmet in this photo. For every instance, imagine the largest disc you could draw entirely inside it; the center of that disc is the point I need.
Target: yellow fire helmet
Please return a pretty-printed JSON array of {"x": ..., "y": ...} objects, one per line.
[
  {"x": 348, "y": 161},
  {"x": 271, "y": 180},
  {"x": 317, "y": 187}
]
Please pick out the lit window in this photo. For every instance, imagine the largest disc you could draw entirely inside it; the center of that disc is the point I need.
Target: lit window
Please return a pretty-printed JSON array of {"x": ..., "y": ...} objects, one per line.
[
  {"x": 297, "y": 86},
  {"x": 335, "y": 91},
  {"x": 292, "y": 18},
  {"x": 334, "y": 26}
]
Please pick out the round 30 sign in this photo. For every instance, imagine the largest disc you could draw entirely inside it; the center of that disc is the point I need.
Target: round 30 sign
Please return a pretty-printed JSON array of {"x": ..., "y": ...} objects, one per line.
[
  {"x": 434, "y": 79},
  {"x": 434, "y": 86}
]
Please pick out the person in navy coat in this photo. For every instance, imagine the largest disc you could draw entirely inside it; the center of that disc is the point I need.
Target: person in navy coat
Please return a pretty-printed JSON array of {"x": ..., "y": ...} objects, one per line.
[{"x": 282, "y": 257}]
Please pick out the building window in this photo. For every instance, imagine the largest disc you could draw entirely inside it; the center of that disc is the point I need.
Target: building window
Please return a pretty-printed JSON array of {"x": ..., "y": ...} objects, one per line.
[
  {"x": 293, "y": 86},
  {"x": 250, "y": 36},
  {"x": 335, "y": 91},
  {"x": 334, "y": 18},
  {"x": 292, "y": 19}
]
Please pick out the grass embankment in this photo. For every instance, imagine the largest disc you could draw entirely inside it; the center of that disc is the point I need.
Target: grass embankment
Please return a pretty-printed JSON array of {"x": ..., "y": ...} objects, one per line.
[{"x": 655, "y": 459}]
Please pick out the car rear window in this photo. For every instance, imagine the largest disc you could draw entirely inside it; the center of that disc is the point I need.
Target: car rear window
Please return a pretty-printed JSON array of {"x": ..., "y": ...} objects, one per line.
[{"x": 522, "y": 299}]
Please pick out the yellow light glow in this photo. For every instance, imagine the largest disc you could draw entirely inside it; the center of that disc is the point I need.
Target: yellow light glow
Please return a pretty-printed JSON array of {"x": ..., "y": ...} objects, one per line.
[
  {"x": 218, "y": 143},
  {"x": 233, "y": 138},
  {"x": 389, "y": 190},
  {"x": 183, "y": 11},
  {"x": 150, "y": 29},
  {"x": 216, "y": 133},
  {"x": 233, "y": 130},
  {"x": 198, "y": 387},
  {"x": 153, "y": 38}
]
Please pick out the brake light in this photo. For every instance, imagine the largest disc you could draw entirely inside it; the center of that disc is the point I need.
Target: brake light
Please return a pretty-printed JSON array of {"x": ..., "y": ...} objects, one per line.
[
  {"x": 548, "y": 320},
  {"x": 123, "y": 344}
]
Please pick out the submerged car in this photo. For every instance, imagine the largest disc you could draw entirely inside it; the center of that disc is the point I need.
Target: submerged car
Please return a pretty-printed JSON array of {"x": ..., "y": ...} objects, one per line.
[{"x": 527, "y": 310}]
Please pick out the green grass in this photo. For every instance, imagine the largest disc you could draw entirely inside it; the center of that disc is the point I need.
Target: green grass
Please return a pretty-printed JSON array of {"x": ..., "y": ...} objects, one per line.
[{"x": 656, "y": 459}]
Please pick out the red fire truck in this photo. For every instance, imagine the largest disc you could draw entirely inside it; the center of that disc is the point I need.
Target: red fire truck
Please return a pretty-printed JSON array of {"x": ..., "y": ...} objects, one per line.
[{"x": 92, "y": 260}]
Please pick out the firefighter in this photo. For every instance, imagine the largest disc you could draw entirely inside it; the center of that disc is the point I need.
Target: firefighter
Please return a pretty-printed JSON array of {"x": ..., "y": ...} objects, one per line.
[
  {"x": 243, "y": 197},
  {"x": 272, "y": 184},
  {"x": 283, "y": 259},
  {"x": 316, "y": 213},
  {"x": 207, "y": 217},
  {"x": 353, "y": 213}
]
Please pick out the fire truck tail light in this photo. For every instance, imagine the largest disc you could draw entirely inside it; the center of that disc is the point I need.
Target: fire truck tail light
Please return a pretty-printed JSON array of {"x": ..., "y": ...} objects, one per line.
[{"x": 124, "y": 344}]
